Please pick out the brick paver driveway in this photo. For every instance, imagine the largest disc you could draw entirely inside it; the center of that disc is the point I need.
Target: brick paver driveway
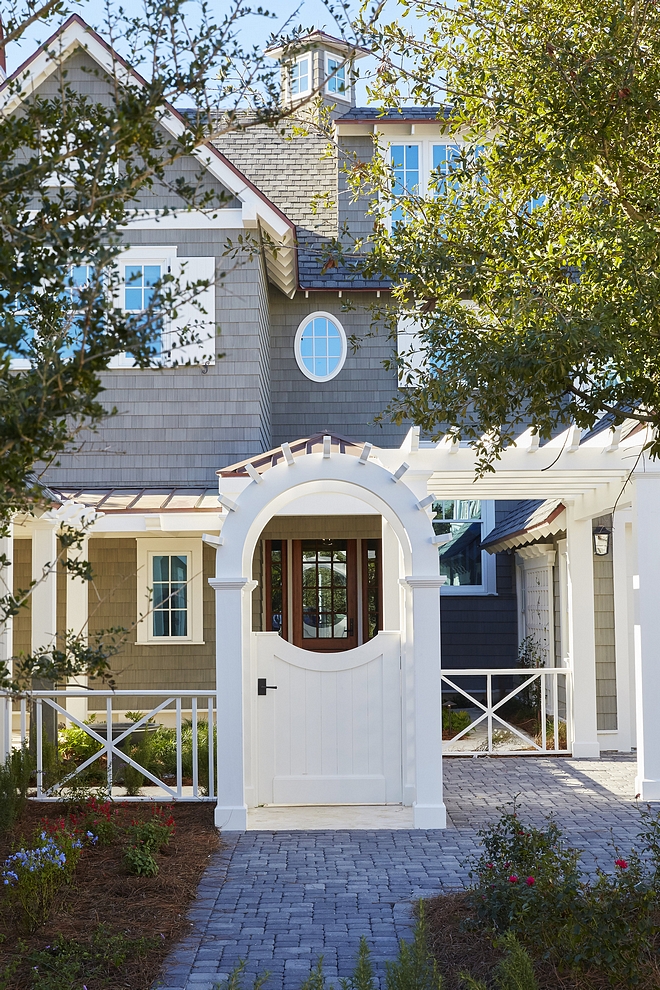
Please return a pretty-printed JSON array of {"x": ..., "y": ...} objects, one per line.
[{"x": 280, "y": 899}]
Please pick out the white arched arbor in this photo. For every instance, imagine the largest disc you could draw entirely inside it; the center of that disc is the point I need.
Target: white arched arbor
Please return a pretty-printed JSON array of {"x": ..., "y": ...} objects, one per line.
[{"x": 268, "y": 494}]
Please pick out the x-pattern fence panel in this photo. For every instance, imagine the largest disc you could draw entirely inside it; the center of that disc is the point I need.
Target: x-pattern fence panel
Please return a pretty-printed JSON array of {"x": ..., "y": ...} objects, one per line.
[
  {"x": 115, "y": 739},
  {"x": 510, "y": 710}
]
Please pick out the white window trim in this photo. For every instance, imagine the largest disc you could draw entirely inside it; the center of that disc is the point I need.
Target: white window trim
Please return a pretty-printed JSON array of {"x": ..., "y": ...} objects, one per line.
[
  {"x": 488, "y": 584},
  {"x": 296, "y": 346},
  {"x": 345, "y": 97},
  {"x": 145, "y": 551},
  {"x": 152, "y": 255}
]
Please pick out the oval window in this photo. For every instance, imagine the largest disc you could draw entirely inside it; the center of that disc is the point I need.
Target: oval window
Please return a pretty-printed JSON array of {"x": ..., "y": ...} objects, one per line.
[{"x": 320, "y": 347}]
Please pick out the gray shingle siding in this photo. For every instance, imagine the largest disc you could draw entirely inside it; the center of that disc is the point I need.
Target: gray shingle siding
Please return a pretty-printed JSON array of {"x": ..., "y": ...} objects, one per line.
[
  {"x": 349, "y": 403},
  {"x": 482, "y": 630},
  {"x": 177, "y": 426}
]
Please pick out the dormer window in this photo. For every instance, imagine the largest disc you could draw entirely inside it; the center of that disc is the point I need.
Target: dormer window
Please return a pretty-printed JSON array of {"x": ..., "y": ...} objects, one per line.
[
  {"x": 300, "y": 76},
  {"x": 335, "y": 72}
]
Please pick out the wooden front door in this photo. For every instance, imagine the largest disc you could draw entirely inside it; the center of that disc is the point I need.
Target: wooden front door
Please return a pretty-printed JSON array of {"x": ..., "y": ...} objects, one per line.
[{"x": 324, "y": 590}]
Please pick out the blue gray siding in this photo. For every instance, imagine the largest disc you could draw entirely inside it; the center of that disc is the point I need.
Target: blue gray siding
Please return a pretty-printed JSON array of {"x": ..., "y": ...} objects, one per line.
[{"x": 350, "y": 402}]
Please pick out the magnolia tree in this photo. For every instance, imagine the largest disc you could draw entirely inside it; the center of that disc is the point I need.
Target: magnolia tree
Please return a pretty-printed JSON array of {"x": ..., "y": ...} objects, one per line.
[
  {"x": 530, "y": 261},
  {"x": 74, "y": 170}
]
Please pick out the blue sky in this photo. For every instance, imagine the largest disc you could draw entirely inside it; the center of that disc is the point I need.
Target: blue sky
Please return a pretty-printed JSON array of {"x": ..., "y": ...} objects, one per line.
[{"x": 310, "y": 13}]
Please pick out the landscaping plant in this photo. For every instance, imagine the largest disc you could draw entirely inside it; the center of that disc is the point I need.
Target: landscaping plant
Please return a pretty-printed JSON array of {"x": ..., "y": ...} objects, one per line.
[
  {"x": 528, "y": 887},
  {"x": 31, "y": 877},
  {"x": 15, "y": 775},
  {"x": 65, "y": 964},
  {"x": 146, "y": 838}
]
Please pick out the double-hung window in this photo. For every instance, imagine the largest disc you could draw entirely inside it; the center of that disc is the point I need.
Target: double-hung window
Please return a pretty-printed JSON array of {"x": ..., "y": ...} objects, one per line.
[
  {"x": 300, "y": 79},
  {"x": 405, "y": 164},
  {"x": 170, "y": 590},
  {"x": 443, "y": 161},
  {"x": 170, "y": 573},
  {"x": 464, "y": 523},
  {"x": 336, "y": 76}
]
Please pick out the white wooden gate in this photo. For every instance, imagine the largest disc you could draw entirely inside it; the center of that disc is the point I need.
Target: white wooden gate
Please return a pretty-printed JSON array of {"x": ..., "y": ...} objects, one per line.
[{"x": 329, "y": 724}]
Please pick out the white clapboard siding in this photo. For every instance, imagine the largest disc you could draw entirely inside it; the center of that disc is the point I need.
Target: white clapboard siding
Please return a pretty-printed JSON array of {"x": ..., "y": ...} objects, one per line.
[{"x": 197, "y": 317}]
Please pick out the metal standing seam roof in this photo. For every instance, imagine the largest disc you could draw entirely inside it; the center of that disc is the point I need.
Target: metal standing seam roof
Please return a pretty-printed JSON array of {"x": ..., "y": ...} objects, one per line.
[
  {"x": 141, "y": 500},
  {"x": 531, "y": 519}
]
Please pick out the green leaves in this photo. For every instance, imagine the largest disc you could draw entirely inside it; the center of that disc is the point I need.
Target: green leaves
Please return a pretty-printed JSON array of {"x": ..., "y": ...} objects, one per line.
[{"x": 550, "y": 226}]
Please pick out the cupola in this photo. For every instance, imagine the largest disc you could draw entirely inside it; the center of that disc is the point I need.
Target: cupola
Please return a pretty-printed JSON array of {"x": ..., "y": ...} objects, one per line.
[{"x": 318, "y": 65}]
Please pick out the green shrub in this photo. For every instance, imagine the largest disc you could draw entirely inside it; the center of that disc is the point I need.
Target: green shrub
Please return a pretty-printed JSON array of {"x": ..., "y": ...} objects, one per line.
[
  {"x": 66, "y": 964},
  {"x": 15, "y": 775},
  {"x": 145, "y": 838},
  {"x": 529, "y": 885},
  {"x": 516, "y": 970},
  {"x": 415, "y": 968},
  {"x": 454, "y": 721},
  {"x": 520, "y": 872},
  {"x": 140, "y": 861},
  {"x": 142, "y": 754}
]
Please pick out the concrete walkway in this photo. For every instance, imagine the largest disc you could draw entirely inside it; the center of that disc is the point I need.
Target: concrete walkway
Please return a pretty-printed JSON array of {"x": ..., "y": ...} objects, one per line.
[{"x": 281, "y": 898}]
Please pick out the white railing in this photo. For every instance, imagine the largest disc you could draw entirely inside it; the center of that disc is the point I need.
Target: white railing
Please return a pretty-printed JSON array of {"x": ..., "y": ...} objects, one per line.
[
  {"x": 530, "y": 717},
  {"x": 112, "y": 735}
]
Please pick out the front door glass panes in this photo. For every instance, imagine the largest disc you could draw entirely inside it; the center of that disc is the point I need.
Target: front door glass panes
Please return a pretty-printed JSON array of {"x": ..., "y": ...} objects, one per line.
[
  {"x": 371, "y": 577},
  {"x": 324, "y": 574},
  {"x": 277, "y": 577},
  {"x": 460, "y": 556},
  {"x": 170, "y": 595}
]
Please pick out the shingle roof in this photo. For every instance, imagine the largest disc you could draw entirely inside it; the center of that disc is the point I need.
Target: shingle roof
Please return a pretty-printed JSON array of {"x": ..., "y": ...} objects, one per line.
[
  {"x": 298, "y": 172},
  {"x": 403, "y": 114},
  {"x": 530, "y": 520}
]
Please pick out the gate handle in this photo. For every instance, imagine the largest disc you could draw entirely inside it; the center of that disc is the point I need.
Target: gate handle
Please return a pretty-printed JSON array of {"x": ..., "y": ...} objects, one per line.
[{"x": 262, "y": 687}]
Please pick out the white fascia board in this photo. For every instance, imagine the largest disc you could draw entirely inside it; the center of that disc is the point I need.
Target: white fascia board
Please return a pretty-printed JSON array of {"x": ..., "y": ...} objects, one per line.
[
  {"x": 155, "y": 522},
  {"x": 187, "y": 220},
  {"x": 75, "y": 35}
]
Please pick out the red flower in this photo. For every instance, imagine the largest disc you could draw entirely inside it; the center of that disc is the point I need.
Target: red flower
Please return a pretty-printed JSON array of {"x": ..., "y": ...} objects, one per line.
[
  {"x": 513, "y": 878},
  {"x": 621, "y": 863},
  {"x": 530, "y": 881},
  {"x": 489, "y": 866}
]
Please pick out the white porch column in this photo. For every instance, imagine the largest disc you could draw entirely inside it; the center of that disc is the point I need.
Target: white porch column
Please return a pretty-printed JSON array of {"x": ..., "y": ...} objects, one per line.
[
  {"x": 43, "y": 605},
  {"x": 6, "y": 640},
  {"x": 646, "y": 583},
  {"x": 232, "y": 637},
  {"x": 429, "y": 811},
  {"x": 623, "y": 627},
  {"x": 582, "y": 636},
  {"x": 77, "y": 614}
]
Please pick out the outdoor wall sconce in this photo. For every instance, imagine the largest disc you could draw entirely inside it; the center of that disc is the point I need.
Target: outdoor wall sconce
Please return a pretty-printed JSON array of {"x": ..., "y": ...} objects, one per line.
[{"x": 601, "y": 541}]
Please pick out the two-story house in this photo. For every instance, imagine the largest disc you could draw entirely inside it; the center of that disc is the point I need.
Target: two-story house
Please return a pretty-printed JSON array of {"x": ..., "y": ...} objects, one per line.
[{"x": 258, "y": 529}]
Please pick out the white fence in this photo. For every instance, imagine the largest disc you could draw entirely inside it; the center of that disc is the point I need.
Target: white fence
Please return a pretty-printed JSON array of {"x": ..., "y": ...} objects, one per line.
[
  {"x": 201, "y": 706},
  {"x": 511, "y": 711}
]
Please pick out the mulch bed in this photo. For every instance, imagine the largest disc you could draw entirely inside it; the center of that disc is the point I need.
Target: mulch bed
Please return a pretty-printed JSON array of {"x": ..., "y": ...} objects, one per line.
[
  {"x": 459, "y": 947},
  {"x": 103, "y": 892}
]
